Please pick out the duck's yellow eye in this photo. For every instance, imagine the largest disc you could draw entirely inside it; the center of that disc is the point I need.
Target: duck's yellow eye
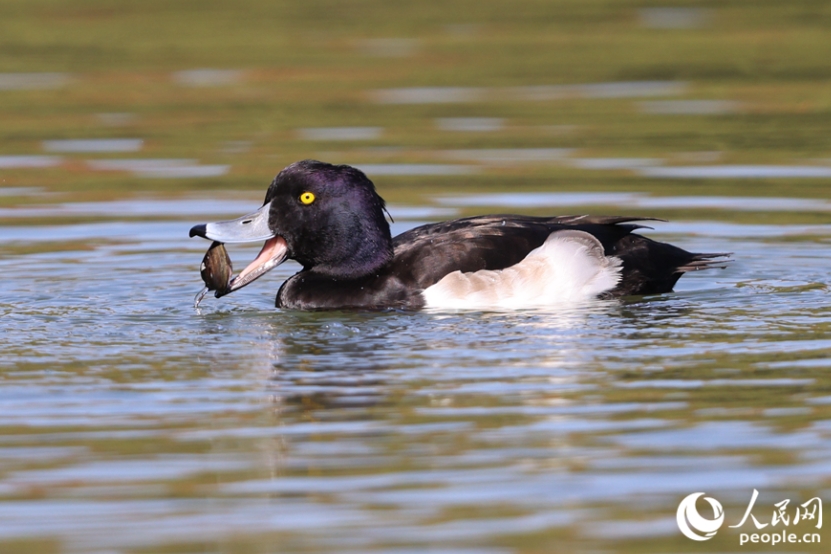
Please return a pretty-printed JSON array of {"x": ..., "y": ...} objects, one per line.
[{"x": 307, "y": 198}]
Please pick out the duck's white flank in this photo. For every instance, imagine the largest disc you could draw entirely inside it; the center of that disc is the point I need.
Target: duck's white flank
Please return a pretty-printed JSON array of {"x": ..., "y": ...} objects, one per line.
[{"x": 569, "y": 267}]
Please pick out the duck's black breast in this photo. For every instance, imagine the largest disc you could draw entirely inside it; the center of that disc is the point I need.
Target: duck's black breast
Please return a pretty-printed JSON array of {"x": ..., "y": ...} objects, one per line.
[
  {"x": 424, "y": 255},
  {"x": 309, "y": 290}
]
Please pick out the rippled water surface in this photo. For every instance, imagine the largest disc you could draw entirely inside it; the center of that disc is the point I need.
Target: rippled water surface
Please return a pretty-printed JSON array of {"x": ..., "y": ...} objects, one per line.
[{"x": 132, "y": 422}]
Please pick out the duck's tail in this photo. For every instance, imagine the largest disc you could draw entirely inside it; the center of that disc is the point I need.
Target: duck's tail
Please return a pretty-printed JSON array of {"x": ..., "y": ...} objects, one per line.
[
  {"x": 698, "y": 262},
  {"x": 652, "y": 267}
]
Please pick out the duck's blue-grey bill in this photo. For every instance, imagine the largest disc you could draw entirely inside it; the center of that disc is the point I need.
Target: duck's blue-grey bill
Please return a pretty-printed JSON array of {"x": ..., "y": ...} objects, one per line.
[{"x": 248, "y": 228}]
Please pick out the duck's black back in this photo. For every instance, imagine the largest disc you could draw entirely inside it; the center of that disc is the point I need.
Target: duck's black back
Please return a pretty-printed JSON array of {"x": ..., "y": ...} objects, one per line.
[{"x": 425, "y": 254}]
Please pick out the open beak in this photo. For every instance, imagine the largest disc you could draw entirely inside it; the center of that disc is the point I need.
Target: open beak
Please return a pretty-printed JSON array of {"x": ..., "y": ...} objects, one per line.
[{"x": 248, "y": 228}]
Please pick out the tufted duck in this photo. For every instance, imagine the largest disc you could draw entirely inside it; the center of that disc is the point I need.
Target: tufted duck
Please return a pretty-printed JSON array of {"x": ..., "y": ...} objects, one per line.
[{"x": 330, "y": 219}]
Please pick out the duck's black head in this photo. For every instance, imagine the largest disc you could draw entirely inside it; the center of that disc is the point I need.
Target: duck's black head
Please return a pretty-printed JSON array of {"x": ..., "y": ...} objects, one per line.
[
  {"x": 326, "y": 217},
  {"x": 331, "y": 219}
]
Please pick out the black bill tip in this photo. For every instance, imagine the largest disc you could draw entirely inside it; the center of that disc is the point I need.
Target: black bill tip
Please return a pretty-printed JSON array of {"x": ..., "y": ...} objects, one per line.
[{"x": 199, "y": 231}]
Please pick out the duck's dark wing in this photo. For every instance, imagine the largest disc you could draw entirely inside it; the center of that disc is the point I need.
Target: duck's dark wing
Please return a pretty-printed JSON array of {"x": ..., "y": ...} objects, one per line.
[{"x": 425, "y": 254}]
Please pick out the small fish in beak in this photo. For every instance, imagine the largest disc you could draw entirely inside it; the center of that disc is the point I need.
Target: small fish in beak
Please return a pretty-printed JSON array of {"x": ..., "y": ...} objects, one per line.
[{"x": 216, "y": 271}]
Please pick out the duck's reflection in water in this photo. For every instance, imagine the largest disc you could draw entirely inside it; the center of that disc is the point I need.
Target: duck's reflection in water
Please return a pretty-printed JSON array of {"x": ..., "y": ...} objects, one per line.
[{"x": 335, "y": 359}]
